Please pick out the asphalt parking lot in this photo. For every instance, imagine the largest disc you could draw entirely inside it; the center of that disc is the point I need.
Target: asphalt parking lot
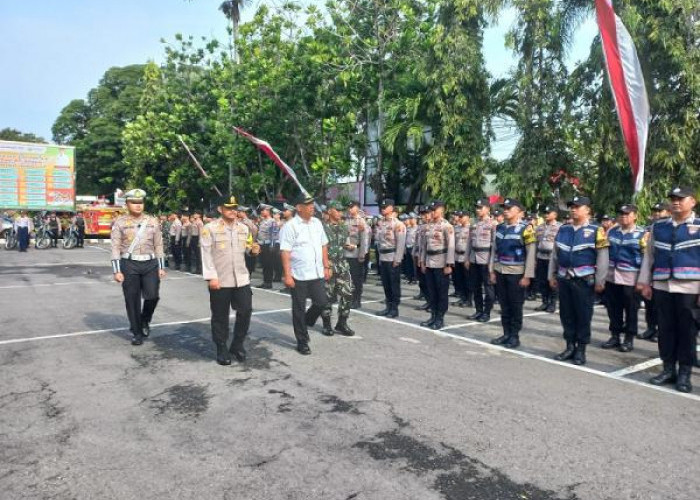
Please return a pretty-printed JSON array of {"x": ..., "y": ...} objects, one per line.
[{"x": 396, "y": 412}]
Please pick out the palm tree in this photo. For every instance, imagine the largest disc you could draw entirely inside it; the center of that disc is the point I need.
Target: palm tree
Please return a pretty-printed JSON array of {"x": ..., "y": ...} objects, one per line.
[{"x": 232, "y": 11}]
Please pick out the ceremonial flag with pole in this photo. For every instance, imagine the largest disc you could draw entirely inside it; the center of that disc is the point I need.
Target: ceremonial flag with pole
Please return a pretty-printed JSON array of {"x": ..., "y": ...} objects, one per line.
[
  {"x": 627, "y": 82},
  {"x": 265, "y": 147}
]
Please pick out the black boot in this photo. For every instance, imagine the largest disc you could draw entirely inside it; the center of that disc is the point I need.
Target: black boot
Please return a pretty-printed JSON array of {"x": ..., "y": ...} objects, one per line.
[
  {"x": 613, "y": 341},
  {"x": 667, "y": 376},
  {"x": 551, "y": 306},
  {"x": 648, "y": 333},
  {"x": 327, "y": 330},
  {"x": 146, "y": 327},
  {"x": 137, "y": 340},
  {"x": 384, "y": 311},
  {"x": 580, "y": 355},
  {"x": 475, "y": 315},
  {"x": 342, "y": 327},
  {"x": 501, "y": 340},
  {"x": 439, "y": 322},
  {"x": 429, "y": 322},
  {"x": 683, "y": 384},
  {"x": 513, "y": 342},
  {"x": 484, "y": 318},
  {"x": 567, "y": 353},
  {"x": 222, "y": 355},
  {"x": 238, "y": 351},
  {"x": 393, "y": 312},
  {"x": 628, "y": 344}
]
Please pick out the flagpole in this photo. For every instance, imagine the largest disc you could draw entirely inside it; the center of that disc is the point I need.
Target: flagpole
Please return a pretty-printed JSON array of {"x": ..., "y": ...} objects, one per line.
[{"x": 199, "y": 166}]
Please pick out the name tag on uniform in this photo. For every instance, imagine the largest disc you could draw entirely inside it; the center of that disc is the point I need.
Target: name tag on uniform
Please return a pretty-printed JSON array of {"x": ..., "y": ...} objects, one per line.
[
  {"x": 587, "y": 233},
  {"x": 693, "y": 229}
]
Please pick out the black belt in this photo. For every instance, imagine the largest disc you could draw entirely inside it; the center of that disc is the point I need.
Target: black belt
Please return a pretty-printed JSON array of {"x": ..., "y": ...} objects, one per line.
[
  {"x": 436, "y": 252},
  {"x": 481, "y": 249},
  {"x": 460, "y": 253},
  {"x": 387, "y": 250},
  {"x": 545, "y": 252}
]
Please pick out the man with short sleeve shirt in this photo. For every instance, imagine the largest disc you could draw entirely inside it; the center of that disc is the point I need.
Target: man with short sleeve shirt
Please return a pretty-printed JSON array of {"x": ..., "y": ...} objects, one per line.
[
  {"x": 390, "y": 235},
  {"x": 304, "y": 252}
]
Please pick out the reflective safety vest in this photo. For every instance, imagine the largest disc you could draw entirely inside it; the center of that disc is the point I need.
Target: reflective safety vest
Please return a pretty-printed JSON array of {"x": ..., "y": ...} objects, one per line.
[
  {"x": 510, "y": 243},
  {"x": 576, "y": 249},
  {"x": 626, "y": 249},
  {"x": 676, "y": 250}
]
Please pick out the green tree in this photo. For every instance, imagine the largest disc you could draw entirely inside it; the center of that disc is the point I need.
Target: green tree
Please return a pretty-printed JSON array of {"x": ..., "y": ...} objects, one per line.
[{"x": 11, "y": 134}]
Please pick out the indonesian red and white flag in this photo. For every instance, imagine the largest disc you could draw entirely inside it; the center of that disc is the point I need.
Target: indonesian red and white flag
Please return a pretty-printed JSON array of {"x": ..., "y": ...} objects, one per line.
[
  {"x": 265, "y": 147},
  {"x": 627, "y": 82}
]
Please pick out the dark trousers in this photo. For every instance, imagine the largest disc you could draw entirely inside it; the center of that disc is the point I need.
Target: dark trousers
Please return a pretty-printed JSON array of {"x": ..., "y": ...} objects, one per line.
[
  {"x": 623, "y": 308},
  {"x": 460, "y": 280},
  {"x": 250, "y": 263},
  {"x": 316, "y": 291},
  {"x": 421, "y": 283},
  {"x": 650, "y": 314},
  {"x": 81, "y": 236},
  {"x": 576, "y": 308},
  {"x": 677, "y": 314},
  {"x": 195, "y": 255},
  {"x": 53, "y": 234},
  {"x": 268, "y": 265},
  {"x": 365, "y": 267},
  {"x": 512, "y": 298},
  {"x": 391, "y": 281},
  {"x": 23, "y": 238},
  {"x": 484, "y": 292},
  {"x": 548, "y": 294},
  {"x": 276, "y": 263},
  {"x": 141, "y": 280},
  {"x": 357, "y": 276},
  {"x": 176, "y": 249},
  {"x": 221, "y": 302},
  {"x": 407, "y": 265},
  {"x": 438, "y": 285},
  {"x": 186, "y": 257}
]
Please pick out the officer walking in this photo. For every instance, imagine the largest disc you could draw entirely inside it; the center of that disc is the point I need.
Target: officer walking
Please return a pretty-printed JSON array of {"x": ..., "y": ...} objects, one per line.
[
  {"x": 339, "y": 286},
  {"x": 437, "y": 258},
  {"x": 578, "y": 268},
  {"x": 355, "y": 251},
  {"x": 224, "y": 243},
  {"x": 390, "y": 237},
  {"x": 627, "y": 245},
  {"x": 545, "y": 234},
  {"x": 512, "y": 266},
  {"x": 264, "y": 239},
  {"x": 479, "y": 251},
  {"x": 138, "y": 262},
  {"x": 671, "y": 275}
]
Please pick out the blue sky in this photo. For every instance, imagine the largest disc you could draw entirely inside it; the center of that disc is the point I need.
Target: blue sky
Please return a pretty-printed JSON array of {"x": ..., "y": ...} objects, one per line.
[{"x": 55, "y": 51}]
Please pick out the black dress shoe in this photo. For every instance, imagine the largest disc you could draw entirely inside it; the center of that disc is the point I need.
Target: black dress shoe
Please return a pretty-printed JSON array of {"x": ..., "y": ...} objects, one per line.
[
  {"x": 146, "y": 327},
  {"x": 683, "y": 384},
  {"x": 222, "y": 355},
  {"x": 512, "y": 343},
  {"x": 567, "y": 353},
  {"x": 428, "y": 322},
  {"x": 613, "y": 341},
  {"x": 439, "y": 323},
  {"x": 342, "y": 328},
  {"x": 667, "y": 376},
  {"x": 648, "y": 334},
  {"x": 484, "y": 318},
  {"x": 384, "y": 312},
  {"x": 238, "y": 353},
  {"x": 476, "y": 315},
  {"x": 394, "y": 313},
  {"x": 627, "y": 345},
  {"x": 137, "y": 340},
  {"x": 500, "y": 340},
  {"x": 580, "y": 355},
  {"x": 304, "y": 349},
  {"x": 551, "y": 307}
]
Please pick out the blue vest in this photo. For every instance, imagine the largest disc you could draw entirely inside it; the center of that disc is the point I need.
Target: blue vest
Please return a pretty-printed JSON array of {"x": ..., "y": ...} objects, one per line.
[
  {"x": 510, "y": 249},
  {"x": 626, "y": 249},
  {"x": 576, "y": 250},
  {"x": 676, "y": 250}
]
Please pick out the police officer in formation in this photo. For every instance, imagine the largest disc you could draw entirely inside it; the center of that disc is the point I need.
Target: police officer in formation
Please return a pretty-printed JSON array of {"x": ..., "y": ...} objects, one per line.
[
  {"x": 511, "y": 267},
  {"x": 671, "y": 275},
  {"x": 339, "y": 286},
  {"x": 408, "y": 262},
  {"x": 461, "y": 283},
  {"x": 224, "y": 244},
  {"x": 578, "y": 269},
  {"x": 175, "y": 236},
  {"x": 481, "y": 236},
  {"x": 425, "y": 216},
  {"x": 658, "y": 211},
  {"x": 627, "y": 243},
  {"x": 390, "y": 238},
  {"x": 185, "y": 241},
  {"x": 437, "y": 257},
  {"x": 545, "y": 234},
  {"x": 356, "y": 248},
  {"x": 196, "y": 227},
  {"x": 264, "y": 239},
  {"x": 138, "y": 262}
]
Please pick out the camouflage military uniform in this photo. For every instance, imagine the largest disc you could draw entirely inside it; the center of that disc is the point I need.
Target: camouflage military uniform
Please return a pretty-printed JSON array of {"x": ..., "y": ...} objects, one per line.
[
  {"x": 165, "y": 231},
  {"x": 339, "y": 287}
]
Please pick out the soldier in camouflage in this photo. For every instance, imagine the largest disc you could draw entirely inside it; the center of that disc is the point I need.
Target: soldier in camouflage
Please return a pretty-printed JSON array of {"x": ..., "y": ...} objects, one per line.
[{"x": 339, "y": 287}]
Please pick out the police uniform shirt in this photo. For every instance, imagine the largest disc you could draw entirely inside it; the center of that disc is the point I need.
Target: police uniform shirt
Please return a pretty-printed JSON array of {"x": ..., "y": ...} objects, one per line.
[
  {"x": 125, "y": 229},
  {"x": 438, "y": 248},
  {"x": 251, "y": 226},
  {"x": 411, "y": 236},
  {"x": 185, "y": 232},
  {"x": 480, "y": 240},
  {"x": 670, "y": 285},
  {"x": 601, "y": 247},
  {"x": 265, "y": 231},
  {"x": 420, "y": 240},
  {"x": 546, "y": 233},
  {"x": 176, "y": 230},
  {"x": 195, "y": 228},
  {"x": 357, "y": 240},
  {"x": 616, "y": 274},
  {"x": 390, "y": 236},
  {"x": 527, "y": 238},
  {"x": 224, "y": 247},
  {"x": 461, "y": 243}
]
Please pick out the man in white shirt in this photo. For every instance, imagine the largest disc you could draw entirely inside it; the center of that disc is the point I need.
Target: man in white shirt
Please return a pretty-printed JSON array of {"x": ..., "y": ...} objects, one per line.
[{"x": 304, "y": 253}]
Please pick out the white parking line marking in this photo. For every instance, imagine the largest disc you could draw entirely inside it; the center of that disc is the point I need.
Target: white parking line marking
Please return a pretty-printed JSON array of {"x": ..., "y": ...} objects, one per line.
[
  {"x": 82, "y": 283},
  {"x": 122, "y": 329},
  {"x": 410, "y": 340},
  {"x": 637, "y": 368}
]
